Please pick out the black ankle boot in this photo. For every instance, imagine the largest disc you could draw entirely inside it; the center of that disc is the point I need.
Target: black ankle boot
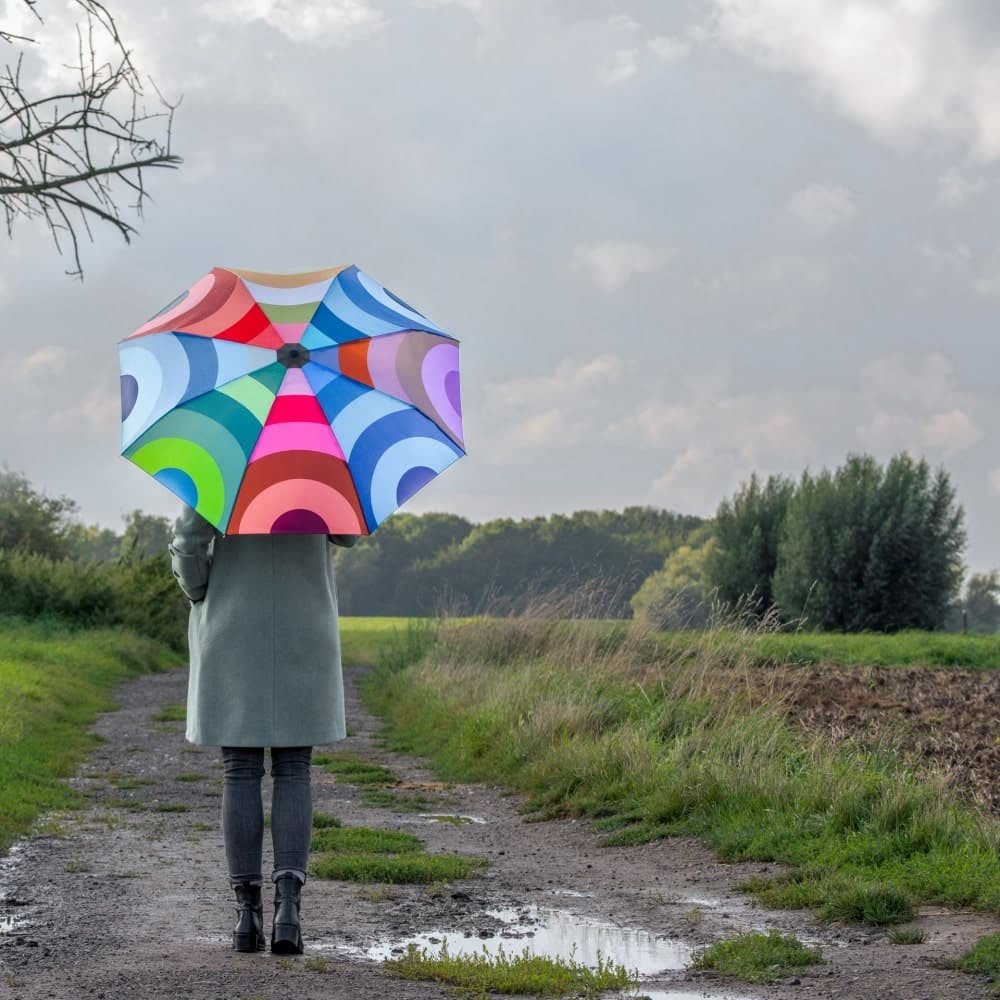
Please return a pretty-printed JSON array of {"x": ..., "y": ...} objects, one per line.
[
  {"x": 248, "y": 934},
  {"x": 286, "y": 934}
]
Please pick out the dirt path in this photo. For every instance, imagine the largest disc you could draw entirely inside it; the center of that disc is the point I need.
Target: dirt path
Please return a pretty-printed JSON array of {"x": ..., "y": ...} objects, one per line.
[{"x": 129, "y": 900}]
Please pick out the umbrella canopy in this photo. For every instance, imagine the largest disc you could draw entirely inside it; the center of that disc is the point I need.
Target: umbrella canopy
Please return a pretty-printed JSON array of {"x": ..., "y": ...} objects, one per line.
[{"x": 276, "y": 403}]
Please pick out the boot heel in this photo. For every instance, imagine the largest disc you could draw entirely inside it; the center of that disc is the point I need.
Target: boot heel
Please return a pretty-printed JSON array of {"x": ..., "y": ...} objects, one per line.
[
  {"x": 286, "y": 927},
  {"x": 286, "y": 939},
  {"x": 248, "y": 942}
]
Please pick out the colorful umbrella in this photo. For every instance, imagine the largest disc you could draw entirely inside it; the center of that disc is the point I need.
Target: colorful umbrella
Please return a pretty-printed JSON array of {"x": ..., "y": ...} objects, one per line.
[{"x": 276, "y": 403}]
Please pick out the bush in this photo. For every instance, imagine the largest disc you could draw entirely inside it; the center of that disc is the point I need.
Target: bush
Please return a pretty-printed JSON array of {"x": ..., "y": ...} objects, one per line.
[{"x": 138, "y": 593}]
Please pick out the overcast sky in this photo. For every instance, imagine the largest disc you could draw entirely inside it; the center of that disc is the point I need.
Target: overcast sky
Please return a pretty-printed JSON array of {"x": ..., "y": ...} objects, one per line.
[{"x": 679, "y": 242}]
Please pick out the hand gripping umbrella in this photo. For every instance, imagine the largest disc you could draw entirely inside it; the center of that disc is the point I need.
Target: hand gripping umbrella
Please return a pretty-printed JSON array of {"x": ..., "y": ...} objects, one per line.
[{"x": 291, "y": 403}]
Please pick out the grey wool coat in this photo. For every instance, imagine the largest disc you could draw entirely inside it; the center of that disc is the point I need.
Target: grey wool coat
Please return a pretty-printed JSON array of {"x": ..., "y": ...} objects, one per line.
[{"x": 263, "y": 634}]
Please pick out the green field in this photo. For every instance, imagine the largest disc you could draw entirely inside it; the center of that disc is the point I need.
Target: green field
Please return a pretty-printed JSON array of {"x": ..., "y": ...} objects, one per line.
[
  {"x": 53, "y": 682},
  {"x": 364, "y": 640}
]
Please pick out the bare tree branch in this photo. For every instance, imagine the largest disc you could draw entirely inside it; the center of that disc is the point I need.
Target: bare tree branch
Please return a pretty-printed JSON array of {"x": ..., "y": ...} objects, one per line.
[{"x": 66, "y": 158}]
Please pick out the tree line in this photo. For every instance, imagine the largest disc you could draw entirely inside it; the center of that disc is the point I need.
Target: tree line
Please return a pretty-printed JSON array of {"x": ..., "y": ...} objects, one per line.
[{"x": 862, "y": 547}]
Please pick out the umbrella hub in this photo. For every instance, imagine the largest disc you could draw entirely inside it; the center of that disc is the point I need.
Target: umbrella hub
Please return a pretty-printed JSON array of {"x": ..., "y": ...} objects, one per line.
[{"x": 293, "y": 355}]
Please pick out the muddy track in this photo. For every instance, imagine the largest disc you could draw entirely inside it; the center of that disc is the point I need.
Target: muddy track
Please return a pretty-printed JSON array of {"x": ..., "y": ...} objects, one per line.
[{"x": 128, "y": 899}]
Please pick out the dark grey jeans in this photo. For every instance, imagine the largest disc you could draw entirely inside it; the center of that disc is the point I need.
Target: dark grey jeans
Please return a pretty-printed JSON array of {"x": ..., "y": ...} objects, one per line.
[{"x": 243, "y": 811}]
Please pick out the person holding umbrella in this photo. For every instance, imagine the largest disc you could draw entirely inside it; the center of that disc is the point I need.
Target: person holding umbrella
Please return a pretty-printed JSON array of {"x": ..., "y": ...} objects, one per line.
[
  {"x": 265, "y": 672},
  {"x": 287, "y": 411}
]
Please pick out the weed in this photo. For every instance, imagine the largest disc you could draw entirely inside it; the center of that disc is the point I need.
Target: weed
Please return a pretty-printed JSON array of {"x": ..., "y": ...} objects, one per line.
[
  {"x": 907, "y": 935},
  {"x": 130, "y": 783},
  {"x": 191, "y": 776},
  {"x": 318, "y": 963},
  {"x": 133, "y": 805},
  {"x": 204, "y": 827},
  {"x": 375, "y": 894},
  {"x": 756, "y": 957},
  {"x": 75, "y": 867}
]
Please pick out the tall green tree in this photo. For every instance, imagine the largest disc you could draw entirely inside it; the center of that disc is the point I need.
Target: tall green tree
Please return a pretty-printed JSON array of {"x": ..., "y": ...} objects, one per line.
[
  {"x": 740, "y": 568},
  {"x": 678, "y": 595},
  {"x": 982, "y": 601},
  {"x": 31, "y": 520},
  {"x": 146, "y": 535},
  {"x": 870, "y": 549}
]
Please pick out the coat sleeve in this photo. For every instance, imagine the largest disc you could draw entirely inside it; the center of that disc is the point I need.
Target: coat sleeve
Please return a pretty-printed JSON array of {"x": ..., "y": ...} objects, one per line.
[{"x": 190, "y": 556}]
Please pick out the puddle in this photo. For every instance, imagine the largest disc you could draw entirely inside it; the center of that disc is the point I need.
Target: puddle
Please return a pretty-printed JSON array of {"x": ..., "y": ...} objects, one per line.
[
  {"x": 9, "y": 923},
  {"x": 556, "y": 933},
  {"x": 673, "y": 995},
  {"x": 456, "y": 818}
]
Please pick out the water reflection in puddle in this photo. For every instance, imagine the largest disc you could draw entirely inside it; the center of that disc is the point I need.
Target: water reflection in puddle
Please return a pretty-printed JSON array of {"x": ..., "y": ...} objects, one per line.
[
  {"x": 9, "y": 923},
  {"x": 456, "y": 818},
  {"x": 555, "y": 933},
  {"x": 673, "y": 995}
]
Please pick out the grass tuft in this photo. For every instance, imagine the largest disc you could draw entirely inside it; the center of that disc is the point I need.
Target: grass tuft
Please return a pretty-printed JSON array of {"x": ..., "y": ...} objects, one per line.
[
  {"x": 756, "y": 957},
  {"x": 356, "y": 770},
  {"x": 401, "y": 802},
  {"x": 171, "y": 712},
  {"x": 537, "y": 975},
  {"x": 907, "y": 935},
  {"x": 984, "y": 959},
  {"x": 323, "y": 821},
  {"x": 396, "y": 869},
  {"x": 365, "y": 840}
]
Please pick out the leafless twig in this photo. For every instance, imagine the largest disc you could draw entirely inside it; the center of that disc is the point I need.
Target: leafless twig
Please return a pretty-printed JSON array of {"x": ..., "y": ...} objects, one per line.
[{"x": 68, "y": 157}]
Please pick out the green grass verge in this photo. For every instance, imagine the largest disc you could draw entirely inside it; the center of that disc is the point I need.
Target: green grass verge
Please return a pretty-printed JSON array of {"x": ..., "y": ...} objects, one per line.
[
  {"x": 652, "y": 747},
  {"x": 54, "y": 680},
  {"x": 397, "y": 869},
  {"x": 757, "y": 958},
  {"x": 525, "y": 973},
  {"x": 984, "y": 959}
]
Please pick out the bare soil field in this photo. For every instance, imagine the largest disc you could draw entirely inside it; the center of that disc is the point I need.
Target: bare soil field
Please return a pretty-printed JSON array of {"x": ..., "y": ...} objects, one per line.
[
  {"x": 947, "y": 719},
  {"x": 128, "y": 899}
]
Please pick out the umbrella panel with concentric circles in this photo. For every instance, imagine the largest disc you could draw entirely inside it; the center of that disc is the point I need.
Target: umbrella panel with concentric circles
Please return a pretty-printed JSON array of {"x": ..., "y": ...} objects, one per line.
[{"x": 272, "y": 403}]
